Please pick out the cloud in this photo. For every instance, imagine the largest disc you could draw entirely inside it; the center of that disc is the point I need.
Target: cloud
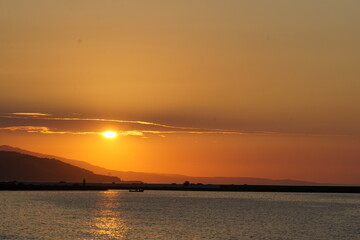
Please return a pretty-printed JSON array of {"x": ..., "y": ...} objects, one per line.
[
  {"x": 42, "y": 129},
  {"x": 46, "y": 130},
  {"x": 30, "y": 114},
  {"x": 35, "y": 129},
  {"x": 131, "y": 133},
  {"x": 49, "y": 117},
  {"x": 131, "y": 127}
]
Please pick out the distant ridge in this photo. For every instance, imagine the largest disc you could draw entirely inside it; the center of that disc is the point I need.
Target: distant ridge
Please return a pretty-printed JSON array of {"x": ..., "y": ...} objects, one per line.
[
  {"x": 15, "y": 166},
  {"x": 163, "y": 178}
]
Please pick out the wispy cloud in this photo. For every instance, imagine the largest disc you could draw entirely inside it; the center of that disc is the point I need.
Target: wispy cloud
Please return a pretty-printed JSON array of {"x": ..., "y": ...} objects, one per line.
[
  {"x": 26, "y": 128},
  {"x": 30, "y": 114},
  {"x": 46, "y": 130},
  {"x": 140, "y": 133},
  {"x": 41, "y": 129},
  {"x": 137, "y": 128},
  {"x": 131, "y": 133},
  {"x": 137, "y": 122}
]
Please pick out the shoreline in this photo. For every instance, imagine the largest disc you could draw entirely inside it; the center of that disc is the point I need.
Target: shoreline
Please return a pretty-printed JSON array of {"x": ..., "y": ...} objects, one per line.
[{"x": 53, "y": 186}]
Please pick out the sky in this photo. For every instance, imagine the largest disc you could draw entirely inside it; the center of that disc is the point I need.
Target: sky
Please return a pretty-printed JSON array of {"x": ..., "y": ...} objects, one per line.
[{"x": 203, "y": 88}]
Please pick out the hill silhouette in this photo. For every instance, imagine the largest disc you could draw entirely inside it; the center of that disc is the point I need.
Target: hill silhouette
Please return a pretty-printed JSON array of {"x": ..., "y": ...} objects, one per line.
[
  {"x": 16, "y": 166},
  {"x": 160, "y": 177}
]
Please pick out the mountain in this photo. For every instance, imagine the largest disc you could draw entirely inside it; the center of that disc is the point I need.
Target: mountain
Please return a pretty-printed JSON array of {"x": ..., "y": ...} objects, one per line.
[
  {"x": 16, "y": 166},
  {"x": 162, "y": 178}
]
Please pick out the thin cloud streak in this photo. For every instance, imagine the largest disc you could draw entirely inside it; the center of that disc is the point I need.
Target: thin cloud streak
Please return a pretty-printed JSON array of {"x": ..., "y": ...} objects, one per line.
[
  {"x": 134, "y": 122},
  {"x": 134, "y": 132},
  {"x": 45, "y": 130},
  {"x": 138, "y": 133},
  {"x": 30, "y": 114}
]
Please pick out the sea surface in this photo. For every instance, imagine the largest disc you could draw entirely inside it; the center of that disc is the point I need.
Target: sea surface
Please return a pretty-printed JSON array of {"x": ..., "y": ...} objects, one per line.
[{"x": 118, "y": 214}]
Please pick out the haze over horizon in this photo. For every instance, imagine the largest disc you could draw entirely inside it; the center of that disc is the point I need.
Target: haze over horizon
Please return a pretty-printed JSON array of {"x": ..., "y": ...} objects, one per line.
[{"x": 266, "y": 89}]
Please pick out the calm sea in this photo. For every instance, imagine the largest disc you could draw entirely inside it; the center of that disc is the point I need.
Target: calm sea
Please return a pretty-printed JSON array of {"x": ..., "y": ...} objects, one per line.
[{"x": 178, "y": 215}]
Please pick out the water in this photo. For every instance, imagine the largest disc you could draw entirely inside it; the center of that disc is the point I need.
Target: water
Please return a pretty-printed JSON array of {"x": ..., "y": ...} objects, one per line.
[{"x": 178, "y": 215}]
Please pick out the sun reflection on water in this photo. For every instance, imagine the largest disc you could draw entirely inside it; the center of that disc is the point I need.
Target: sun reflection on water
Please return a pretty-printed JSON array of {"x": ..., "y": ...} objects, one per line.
[{"x": 108, "y": 222}]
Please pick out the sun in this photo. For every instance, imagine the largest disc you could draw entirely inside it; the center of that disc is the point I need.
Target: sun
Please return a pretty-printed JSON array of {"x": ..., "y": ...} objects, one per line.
[{"x": 109, "y": 134}]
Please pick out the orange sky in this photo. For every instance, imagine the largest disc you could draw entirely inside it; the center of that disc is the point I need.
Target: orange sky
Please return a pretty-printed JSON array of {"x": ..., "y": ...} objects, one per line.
[{"x": 244, "y": 88}]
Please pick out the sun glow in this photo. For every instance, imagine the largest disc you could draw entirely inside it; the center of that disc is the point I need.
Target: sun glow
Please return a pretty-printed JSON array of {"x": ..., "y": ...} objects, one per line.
[{"x": 109, "y": 134}]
